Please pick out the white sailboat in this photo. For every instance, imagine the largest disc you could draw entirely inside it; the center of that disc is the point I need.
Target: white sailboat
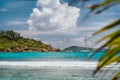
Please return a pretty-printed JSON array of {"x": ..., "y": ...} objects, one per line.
[{"x": 85, "y": 45}]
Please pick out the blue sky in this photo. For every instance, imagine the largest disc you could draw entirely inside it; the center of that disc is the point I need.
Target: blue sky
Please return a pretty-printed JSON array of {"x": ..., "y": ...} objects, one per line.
[
  {"x": 14, "y": 13},
  {"x": 53, "y": 21}
]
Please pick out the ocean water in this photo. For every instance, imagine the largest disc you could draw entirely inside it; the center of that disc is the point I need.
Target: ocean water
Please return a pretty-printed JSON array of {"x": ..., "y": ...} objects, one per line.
[
  {"x": 52, "y": 66},
  {"x": 38, "y": 56}
]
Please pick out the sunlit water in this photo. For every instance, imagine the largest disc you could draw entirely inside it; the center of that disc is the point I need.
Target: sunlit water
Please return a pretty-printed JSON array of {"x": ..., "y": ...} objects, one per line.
[{"x": 51, "y": 66}]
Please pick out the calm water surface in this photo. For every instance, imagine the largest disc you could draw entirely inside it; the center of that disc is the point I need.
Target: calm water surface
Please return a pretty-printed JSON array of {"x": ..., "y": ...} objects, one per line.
[{"x": 48, "y": 56}]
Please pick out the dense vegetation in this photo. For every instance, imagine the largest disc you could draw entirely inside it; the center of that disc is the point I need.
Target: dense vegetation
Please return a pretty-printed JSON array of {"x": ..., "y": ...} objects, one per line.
[{"x": 11, "y": 41}]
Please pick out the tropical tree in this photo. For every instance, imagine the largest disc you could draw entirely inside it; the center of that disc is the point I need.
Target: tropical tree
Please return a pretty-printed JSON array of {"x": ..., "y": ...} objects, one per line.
[
  {"x": 10, "y": 34},
  {"x": 112, "y": 54}
]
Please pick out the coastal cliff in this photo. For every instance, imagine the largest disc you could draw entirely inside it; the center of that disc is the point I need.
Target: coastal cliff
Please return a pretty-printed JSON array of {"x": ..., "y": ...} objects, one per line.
[{"x": 11, "y": 41}]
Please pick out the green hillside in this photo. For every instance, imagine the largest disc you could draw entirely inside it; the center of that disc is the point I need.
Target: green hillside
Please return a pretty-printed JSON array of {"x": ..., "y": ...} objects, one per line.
[{"x": 11, "y": 41}]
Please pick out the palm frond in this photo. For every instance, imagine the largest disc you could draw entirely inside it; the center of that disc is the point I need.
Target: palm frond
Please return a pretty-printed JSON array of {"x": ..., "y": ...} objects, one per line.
[
  {"x": 109, "y": 57},
  {"x": 112, "y": 54},
  {"x": 109, "y": 26},
  {"x": 111, "y": 35},
  {"x": 116, "y": 76},
  {"x": 114, "y": 48}
]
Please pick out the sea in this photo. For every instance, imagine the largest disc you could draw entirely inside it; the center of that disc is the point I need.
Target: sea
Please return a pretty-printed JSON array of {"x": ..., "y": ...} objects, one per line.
[{"x": 53, "y": 66}]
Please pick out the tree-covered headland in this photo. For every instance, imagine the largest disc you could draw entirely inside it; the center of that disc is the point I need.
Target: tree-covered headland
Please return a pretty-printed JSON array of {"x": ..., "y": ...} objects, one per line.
[{"x": 11, "y": 41}]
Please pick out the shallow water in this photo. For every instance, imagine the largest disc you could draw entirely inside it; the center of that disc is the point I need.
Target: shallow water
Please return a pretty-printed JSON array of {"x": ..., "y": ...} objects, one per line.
[
  {"x": 50, "y": 66},
  {"x": 38, "y": 56},
  {"x": 50, "y": 73}
]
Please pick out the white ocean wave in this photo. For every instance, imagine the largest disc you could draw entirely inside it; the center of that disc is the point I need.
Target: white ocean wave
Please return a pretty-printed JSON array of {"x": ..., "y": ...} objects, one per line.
[
  {"x": 83, "y": 64},
  {"x": 54, "y": 64}
]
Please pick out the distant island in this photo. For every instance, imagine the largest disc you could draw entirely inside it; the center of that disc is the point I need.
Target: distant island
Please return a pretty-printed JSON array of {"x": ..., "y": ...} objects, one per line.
[
  {"x": 81, "y": 49},
  {"x": 11, "y": 41},
  {"x": 78, "y": 49}
]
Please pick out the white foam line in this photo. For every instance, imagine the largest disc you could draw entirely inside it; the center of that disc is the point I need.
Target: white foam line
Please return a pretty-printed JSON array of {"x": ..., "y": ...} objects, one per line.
[{"x": 84, "y": 64}]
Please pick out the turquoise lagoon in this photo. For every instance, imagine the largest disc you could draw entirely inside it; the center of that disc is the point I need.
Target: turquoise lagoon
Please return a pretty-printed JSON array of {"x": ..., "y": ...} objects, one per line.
[
  {"x": 50, "y": 66},
  {"x": 34, "y": 56}
]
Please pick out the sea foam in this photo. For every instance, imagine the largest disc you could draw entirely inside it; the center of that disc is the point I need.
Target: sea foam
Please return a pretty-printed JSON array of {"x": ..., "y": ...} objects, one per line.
[
  {"x": 83, "y": 64},
  {"x": 53, "y": 64}
]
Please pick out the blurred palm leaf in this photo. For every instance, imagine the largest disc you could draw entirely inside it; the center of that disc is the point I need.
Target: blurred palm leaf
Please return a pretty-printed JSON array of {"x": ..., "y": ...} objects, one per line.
[
  {"x": 99, "y": 8},
  {"x": 103, "y": 4},
  {"x": 112, "y": 54},
  {"x": 109, "y": 26},
  {"x": 113, "y": 44},
  {"x": 116, "y": 76}
]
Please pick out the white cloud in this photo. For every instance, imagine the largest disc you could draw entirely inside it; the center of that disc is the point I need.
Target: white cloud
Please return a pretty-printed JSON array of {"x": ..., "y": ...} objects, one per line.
[
  {"x": 53, "y": 16},
  {"x": 55, "y": 24}
]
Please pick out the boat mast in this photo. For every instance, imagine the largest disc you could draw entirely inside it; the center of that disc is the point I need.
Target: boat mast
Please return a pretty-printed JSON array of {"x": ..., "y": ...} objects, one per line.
[{"x": 85, "y": 42}]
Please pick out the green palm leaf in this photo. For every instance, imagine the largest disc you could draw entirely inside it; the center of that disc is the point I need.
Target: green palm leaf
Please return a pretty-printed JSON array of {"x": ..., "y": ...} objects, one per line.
[
  {"x": 112, "y": 54},
  {"x": 109, "y": 26},
  {"x": 116, "y": 76},
  {"x": 111, "y": 35},
  {"x": 108, "y": 58},
  {"x": 113, "y": 44}
]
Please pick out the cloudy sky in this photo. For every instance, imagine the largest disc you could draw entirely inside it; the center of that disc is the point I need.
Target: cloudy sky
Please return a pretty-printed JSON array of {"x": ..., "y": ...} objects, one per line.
[{"x": 53, "y": 21}]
